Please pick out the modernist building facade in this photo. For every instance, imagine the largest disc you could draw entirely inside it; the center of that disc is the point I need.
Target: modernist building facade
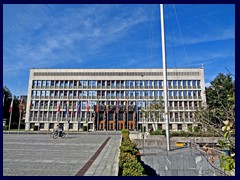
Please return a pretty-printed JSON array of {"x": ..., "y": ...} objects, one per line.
[{"x": 112, "y": 99}]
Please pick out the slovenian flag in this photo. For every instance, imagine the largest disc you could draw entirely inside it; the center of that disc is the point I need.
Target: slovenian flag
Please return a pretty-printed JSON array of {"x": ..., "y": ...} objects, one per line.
[
  {"x": 11, "y": 106},
  {"x": 97, "y": 110},
  {"x": 107, "y": 106},
  {"x": 20, "y": 105},
  {"x": 58, "y": 107},
  {"x": 88, "y": 107}
]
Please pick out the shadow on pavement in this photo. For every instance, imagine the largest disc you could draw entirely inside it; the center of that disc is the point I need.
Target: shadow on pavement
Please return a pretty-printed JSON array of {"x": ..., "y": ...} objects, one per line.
[{"x": 148, "y": 169}]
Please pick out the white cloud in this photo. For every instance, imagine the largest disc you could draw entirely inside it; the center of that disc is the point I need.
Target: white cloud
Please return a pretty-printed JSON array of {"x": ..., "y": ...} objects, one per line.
[{"x": 207, "y": 84}]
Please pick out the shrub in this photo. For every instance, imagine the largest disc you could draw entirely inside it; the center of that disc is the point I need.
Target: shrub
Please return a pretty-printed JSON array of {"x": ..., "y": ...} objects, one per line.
[
  {"x": 158, "y": 132},
  {"x": 129, "y": 164},
  {"x": 5, "y": 128},
  {"x": 125, "y": 131},
  {"x": 84, "y": 128}
]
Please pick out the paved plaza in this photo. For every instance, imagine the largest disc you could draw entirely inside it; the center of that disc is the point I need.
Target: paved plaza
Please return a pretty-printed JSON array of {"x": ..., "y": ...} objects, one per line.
[
  {"x": 182, "y": 161},
  {"x": 41, "y": 155}
]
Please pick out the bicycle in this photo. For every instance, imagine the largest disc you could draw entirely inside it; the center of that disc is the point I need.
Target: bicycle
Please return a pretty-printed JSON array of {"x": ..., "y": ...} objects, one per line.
[{"x": 55, "y": 135}]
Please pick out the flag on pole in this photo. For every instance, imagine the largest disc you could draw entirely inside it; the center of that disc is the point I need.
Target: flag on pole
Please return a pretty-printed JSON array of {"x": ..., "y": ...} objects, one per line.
[
  {"x": 107, "y": 106},
  {"x": 68, "y": 106},
  {"x": 39, "y": 105},
  {"x": 79, "y": 107},
  {"x": 66, "y": 110},
  {"x": 97, "y": 109},
  {"x": 72, "y": 108},
  {"x": 20, "y": 105},
  {"x": 3, "y": 98},
  {"x": 11, "y": 106},
  {"x": 49, "y": 105},
  {"x": 58, "y": 107},
  {"x": 30, "y": 104},
  {"x": 88, "y": 107},
  {"x": 117, "y": 107}
]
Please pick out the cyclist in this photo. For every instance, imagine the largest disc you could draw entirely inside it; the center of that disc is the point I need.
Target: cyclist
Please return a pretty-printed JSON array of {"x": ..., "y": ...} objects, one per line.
[{"x": 59, "y": 130}]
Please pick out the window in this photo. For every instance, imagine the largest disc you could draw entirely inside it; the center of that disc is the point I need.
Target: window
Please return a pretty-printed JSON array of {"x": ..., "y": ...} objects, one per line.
[
  {"x": 33, "y": 93},
  {"x": 179, "y": 126},
  {"x": 38, "y": 83},
  {"x": 38, "y": 93},
  {"x": 156, "y": 83},
  {"x": 34, "y": 83},
  {"x": 80, "y": 83},
  {"x": 62, "y": 84},
  {"x": 84, "y": 83},
  {"x": 146, "y": 93},
  {"x": 160, "y": 93},
  {"x": 57, "y": 83},
  {"x": 175, "y": 93},
  {"x": 113, "y": 83},
  {"x": 145, "y": 83},
  {"x": 43, "y": 93},
  {"x": 150, "y": 83},
  {"x": 127, "y": 83},
  {"x": 194, "y": 83},
  {"x": 44, "y": 83},
  {"x": 175, "y": 83},
  {"x": 71, "y": 84},
  {"x": 47, "y": 83},
  {"x": 170, "y": 93},
  {"x": 198, "y": 82},
  {"x": 137, "y": 83},
  {"x": 160, "y": 83},
  {"x": 118, "y": 84},
  {"x": 169, "y": 83},
  {"x": 185, "y": 93},
  {"x": 137, "y": 93},
  {"x": 184, "y": 83},
  {"x": 150, "y": 93},
  {"x": 131, "y": 93},
  {"x": 180, "y": 93},
  {"x": 131, "y": 83},
  {"x": 189, "y": 83},
  {"x": 179, "y": 83}
]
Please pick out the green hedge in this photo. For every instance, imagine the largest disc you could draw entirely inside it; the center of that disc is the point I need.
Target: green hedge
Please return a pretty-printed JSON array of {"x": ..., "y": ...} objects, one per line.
[
  {"x": 84, "y": 128},
  {"x": 129, "y": 164},
  {"x": 185, "y": 133}
]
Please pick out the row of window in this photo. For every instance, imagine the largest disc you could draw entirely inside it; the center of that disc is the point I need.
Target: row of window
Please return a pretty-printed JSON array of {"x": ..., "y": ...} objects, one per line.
[
  {"x": 115, "y": 73},
  {"x": 113, "y": 83},
  {"x": 120, "y": 116},
  {"x": 109, "y": 94},
  {"x": 73, "y": 104},
  {"x": 160, "y": 126}
]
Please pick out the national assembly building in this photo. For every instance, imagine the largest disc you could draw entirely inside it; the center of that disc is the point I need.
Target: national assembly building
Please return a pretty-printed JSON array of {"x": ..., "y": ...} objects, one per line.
[{"x": 112, "y": 99}]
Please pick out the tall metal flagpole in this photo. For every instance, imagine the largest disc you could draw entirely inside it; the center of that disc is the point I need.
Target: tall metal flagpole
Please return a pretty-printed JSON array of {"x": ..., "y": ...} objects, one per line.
[
  {"x": 20, "y": 113},
  {"x": 165, "y": 76},
  {"x": 10, "y": 116}
]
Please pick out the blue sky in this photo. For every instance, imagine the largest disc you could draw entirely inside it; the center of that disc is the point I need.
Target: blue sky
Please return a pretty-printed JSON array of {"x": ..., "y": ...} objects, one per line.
[{"x": 115, "y": 36}]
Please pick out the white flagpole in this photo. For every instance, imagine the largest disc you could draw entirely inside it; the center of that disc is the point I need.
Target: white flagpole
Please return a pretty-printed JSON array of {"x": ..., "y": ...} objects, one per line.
[{"x": 165, "y": 77}]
